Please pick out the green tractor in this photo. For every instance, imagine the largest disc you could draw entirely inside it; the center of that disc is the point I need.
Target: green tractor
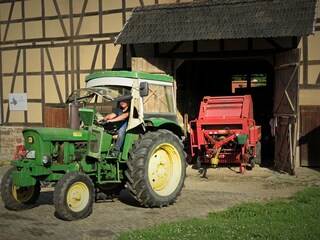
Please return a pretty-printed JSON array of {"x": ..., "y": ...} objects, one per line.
[{"x": 78, "y": 161}]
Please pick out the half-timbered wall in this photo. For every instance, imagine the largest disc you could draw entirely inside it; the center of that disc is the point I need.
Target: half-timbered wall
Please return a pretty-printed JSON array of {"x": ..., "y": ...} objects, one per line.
[
  {"x": 48, "y": 46},
  {"x": 309, "y": 98},
  {"x": 309, "y": 93}
]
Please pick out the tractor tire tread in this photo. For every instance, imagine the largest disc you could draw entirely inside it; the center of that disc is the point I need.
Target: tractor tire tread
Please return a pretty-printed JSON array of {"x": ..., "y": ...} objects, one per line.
[
  {"x": 137, "y": 171},
  {"x": 7, "y": 196},
  {"x": 60, "y": 196}
]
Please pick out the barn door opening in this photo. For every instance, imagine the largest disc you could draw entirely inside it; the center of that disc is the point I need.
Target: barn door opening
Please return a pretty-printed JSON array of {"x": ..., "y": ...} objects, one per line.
[{"x": 286, "y": 110}]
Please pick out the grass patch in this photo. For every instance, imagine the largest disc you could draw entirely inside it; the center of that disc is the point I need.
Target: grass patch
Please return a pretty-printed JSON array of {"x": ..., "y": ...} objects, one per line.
[{"x": 297, "y": 218}]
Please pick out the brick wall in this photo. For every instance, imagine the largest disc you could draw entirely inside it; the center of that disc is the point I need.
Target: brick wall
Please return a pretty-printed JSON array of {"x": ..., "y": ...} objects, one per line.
[{"x": 10, "y": 138}]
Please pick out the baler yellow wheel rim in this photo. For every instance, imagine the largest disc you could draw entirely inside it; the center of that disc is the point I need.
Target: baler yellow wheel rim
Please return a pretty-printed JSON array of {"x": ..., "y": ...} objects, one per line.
[
  {"x": 164, "y": 170},
  {"x": 78, "y": 196},
  {"x": 23, "y": 194}
]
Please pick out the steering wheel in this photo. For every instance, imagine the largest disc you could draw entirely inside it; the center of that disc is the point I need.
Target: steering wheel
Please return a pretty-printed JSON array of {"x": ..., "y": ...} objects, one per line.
[{"x": 109, "y": 97}]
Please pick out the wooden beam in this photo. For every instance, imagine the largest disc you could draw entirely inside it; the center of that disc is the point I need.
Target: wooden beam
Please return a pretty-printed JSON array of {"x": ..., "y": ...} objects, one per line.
[
  {"x": 66, "y": 69},
  {"x": 132, "y": 50},
  {"x": 94, "y": 60},
  {"x": 78, "y": 70},
  {"x": 223, "y": 54},
  {"x": 53, "y": 40},
  {"x": 66, "y": 16},
  {"x": 100, "y": 18},
  {"x": 83, "y": 10},
  {"x": 305, "y": 60},
  {"x": 54, "y": 75},
  {"x": 71, "y": 33},
  {"x": 24, "y": 64},
  {"x": 175, "y": 47},
  {"x": 1, "y": 87},
  {"x": 23, "y": 16},
  {"x": 309, "y": 86},
  {"x": 43, "y": 16},
  {"x": 124, "y": 12},
  {"x": 273, "y": 43},
  {"x": 60, "y": 18},
  {"x": 8, "y": 22},
  {"x": 124, "y": 56},
  {"x": 13, "y": 82},
  {"x": 43, "y": 85},
  {"x": 104, "y": 57},
  {"x": 72, "y": 66}
]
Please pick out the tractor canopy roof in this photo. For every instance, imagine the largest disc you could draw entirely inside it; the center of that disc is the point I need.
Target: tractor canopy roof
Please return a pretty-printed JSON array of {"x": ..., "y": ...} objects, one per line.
[
  {"x": 124, "y": 78},
  {"x": 104, "y": 94}
]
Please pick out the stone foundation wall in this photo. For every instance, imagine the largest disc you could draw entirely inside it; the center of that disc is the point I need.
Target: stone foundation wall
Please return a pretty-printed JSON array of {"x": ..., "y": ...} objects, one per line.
[{"x": 10, "y": 138}]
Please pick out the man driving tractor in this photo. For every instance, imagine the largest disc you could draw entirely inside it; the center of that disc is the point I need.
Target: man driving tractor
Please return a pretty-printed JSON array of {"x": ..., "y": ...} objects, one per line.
[{"x": 120, "y": 118}]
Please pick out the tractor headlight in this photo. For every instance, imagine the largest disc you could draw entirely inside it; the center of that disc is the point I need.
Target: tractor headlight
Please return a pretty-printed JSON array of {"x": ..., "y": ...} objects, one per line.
[
  {"x": 46, "y": 160},
  {"x": 30, "y": 139}
]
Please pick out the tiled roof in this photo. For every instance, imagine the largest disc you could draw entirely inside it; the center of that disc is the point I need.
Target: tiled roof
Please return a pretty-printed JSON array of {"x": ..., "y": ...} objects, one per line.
[{"x": 219, "y": 19}]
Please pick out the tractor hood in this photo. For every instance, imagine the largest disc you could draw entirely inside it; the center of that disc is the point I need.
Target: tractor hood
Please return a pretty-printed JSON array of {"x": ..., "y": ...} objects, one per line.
[{"x": 59, "y": 134}]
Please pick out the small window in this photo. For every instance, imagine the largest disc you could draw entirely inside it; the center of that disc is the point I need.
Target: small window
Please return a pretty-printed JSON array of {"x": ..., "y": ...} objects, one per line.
[
  {"x": 255, "y": 80},
  {"x": 159, "y": 100}
]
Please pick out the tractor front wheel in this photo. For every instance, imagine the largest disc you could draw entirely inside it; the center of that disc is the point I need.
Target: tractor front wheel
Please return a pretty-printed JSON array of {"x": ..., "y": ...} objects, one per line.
[
  {"x": 18, "y": 198},
  {"x": 74, "y": 196},
  {"x": 156, "y": 169}
]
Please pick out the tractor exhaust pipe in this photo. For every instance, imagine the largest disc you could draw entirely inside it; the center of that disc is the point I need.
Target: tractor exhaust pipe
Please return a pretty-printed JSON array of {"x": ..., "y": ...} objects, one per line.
[{"x": 74, "y": 119}]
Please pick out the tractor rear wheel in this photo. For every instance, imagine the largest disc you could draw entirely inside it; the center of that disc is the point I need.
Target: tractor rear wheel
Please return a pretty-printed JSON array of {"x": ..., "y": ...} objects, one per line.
[
  {"x": 156, "y": 169},
  {"x": 74, "y": 196},
  {"x": 18, "y": 198}
]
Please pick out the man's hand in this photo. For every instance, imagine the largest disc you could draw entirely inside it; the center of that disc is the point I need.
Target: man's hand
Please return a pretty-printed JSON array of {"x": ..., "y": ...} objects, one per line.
[{"x": 100, "y": 119}]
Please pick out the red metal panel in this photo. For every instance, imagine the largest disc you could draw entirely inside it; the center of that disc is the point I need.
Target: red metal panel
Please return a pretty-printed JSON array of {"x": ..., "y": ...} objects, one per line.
[{"x": 255, "y": 134}]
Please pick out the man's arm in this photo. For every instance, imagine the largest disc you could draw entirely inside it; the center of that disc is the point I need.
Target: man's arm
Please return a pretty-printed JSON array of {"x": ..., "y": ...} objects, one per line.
[
  {"x": 110, "y": 116},
  {"x": 118, "y": 118}
]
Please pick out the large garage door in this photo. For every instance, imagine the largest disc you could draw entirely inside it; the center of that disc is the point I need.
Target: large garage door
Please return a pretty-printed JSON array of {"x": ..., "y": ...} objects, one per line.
[{"x": 285, "y": 110}]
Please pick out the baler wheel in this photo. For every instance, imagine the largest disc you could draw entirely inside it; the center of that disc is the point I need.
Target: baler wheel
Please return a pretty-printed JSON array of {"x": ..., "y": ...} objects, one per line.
[
  {"x": 242, "y": 168},
  {"x": 203, "y": 171},
  {"x": 156, "y": 169},
  {"x": 18, "y": 198},
  {"x": 257, "y": 159},
  {"x": 74, "y": 196}
]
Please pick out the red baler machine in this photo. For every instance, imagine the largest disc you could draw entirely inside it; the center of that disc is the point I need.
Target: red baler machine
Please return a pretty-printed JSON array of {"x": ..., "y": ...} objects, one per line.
[{"x": 225, "y": 133}]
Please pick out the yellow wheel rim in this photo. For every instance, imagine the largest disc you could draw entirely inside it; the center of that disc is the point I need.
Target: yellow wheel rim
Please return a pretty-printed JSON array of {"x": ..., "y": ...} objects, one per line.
[
  {"x": 78, "y": 196},
  {"x": 164, "y": 169},
  {"x": 23, "y": 194}
]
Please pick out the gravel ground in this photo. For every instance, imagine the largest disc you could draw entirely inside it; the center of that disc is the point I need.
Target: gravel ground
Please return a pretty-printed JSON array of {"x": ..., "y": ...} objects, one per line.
[{"x": 223, "y": 187}]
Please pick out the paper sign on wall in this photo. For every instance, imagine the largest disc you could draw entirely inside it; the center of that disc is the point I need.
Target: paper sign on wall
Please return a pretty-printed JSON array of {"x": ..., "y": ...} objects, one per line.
[{"x": 18, "y": 101}]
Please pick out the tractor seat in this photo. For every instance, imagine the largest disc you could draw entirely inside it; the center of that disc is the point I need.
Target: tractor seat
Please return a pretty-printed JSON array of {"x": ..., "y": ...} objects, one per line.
[{"x": 112, "y": 130}]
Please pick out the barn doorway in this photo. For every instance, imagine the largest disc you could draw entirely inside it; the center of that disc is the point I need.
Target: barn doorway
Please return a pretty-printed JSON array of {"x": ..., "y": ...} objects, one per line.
[{"x": 198, "y": 78}]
